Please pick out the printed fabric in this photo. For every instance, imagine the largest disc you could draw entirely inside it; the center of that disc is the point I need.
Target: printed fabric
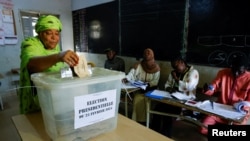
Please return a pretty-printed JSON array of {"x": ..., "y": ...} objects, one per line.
[{"x": 186, "y": 85}]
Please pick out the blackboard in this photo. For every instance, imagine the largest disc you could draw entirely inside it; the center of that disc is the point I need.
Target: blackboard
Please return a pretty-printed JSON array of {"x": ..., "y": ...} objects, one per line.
[
  {"x": 102, "y": 27},
  {"x": 96, "y": 28},
  {"x": 156, "y": 24},
  {"x": 79, "y": 28},
  {"x": 217, "y": 29},
  {"x": 130, "y": 26}
]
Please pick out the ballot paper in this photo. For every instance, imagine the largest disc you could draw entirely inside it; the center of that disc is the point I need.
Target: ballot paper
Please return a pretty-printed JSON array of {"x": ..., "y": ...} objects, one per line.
[{"x": 82, "y": 69}]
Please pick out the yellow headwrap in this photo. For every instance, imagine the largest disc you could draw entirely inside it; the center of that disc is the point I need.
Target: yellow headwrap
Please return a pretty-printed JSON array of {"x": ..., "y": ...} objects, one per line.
[{"x": 48, "y": 22}]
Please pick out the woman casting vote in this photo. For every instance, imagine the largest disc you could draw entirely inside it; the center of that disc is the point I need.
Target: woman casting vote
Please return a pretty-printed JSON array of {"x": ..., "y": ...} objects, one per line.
[{"x": 41, "y": 54}]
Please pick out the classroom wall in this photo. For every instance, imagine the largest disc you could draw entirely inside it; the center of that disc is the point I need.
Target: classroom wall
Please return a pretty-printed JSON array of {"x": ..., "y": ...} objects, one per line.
[
  {"x": 206, "y": 73},
  {"x": 9, "y": 57}
]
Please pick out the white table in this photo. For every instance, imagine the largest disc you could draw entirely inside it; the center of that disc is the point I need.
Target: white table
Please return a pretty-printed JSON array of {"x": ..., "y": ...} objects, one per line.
[
  {"x": 128, "y": 90},
  {"x": 180, "y": 104}
]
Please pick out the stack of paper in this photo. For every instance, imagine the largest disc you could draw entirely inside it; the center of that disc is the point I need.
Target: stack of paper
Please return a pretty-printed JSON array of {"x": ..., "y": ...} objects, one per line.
[
  {"x": 219, "y": 109},
  {"x": 182, "y": 96},
  {"x": 127, "y": 86},
  {"x": 158, "y": 94},
  {"x": 239, "y": 106},
  {"x": 223, "y": 110},
  {"x": 139, "y": 84}
]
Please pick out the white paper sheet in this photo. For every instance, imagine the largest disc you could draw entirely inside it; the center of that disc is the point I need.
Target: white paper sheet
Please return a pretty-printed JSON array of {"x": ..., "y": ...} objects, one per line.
[
  {"x": 182, "y": 96},
  {"x": 135, "y": 84},
  {"x": 221, "y": 109}
]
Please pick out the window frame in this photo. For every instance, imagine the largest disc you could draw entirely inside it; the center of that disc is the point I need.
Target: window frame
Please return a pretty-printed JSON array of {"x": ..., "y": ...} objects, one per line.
[{"x": 32, "y": 17}]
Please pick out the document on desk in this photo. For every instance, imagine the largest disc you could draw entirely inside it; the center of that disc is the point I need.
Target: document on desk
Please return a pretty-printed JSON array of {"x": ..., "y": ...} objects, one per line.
[
  {"x": 127, "y": 86},
  {"x": 158, "y": 94},
  {"x": 220, "y": 109},
  {"x": 182, "y": 96},
  {"x": 135, "y": 84}
]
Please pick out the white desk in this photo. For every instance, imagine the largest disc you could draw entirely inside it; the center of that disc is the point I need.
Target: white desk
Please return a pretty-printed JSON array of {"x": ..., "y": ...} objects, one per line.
[
  {"x": 127, "y": 91},
  {"x": 31, "y": 128},
  {"x": 180, "y": 104}
]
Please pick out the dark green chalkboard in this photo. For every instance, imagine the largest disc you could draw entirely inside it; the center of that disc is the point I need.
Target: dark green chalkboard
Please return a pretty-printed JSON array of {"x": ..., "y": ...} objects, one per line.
[
  {"x": 156, "y": 24},
  {"x": 130, "y": 26},
  {"x": 218, "y": 31},
  {"x": 97, "y": 28}
]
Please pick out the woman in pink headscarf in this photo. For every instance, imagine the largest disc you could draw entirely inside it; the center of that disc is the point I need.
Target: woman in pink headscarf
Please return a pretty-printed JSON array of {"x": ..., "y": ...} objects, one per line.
[{"x": 147, "y": 71}]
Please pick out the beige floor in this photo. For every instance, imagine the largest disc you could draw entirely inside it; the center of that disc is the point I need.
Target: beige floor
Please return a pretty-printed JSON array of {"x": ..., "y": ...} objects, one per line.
[
  {"x": 8, "y": 131},
  {"x": 183, "y": 131}
]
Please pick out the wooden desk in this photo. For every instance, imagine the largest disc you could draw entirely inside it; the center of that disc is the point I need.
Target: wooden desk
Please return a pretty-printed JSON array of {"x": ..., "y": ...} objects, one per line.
[
  {"x": 31, "y": 128},
  {"x": 181, "y": 104}
]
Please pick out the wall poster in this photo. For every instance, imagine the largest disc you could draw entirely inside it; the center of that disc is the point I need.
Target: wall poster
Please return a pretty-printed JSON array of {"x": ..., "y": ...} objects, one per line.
[{"x": 7, "y": 23}]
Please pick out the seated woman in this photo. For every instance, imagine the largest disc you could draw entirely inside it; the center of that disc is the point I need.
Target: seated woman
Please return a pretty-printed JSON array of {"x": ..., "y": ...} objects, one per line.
[
  {"x": 183, "y": 78},
  {"x": 233, "y": 85},
  {"x": 147, "y": 71}
]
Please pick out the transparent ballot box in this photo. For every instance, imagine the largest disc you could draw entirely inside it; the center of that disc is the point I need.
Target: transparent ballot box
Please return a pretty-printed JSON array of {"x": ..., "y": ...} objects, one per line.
[{"x": 76, "y": 109}]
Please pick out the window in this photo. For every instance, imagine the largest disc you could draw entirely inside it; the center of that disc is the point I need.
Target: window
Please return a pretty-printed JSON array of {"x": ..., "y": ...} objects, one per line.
[{"x": 28, "y": 21}]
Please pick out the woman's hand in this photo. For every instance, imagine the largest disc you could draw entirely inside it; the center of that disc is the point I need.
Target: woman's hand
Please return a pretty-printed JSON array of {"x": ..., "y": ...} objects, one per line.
[
  {"x": 173, "y": 73},
  {"x": 69, "y": 57},
  {"x": 246, "y": 109},
  {"x": 170, "y": 90},
  {"x": 205, "y": 88}
]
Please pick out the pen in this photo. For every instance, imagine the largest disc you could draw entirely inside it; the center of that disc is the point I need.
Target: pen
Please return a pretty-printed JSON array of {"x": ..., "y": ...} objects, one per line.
[{"x": 212, "y": 104}]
